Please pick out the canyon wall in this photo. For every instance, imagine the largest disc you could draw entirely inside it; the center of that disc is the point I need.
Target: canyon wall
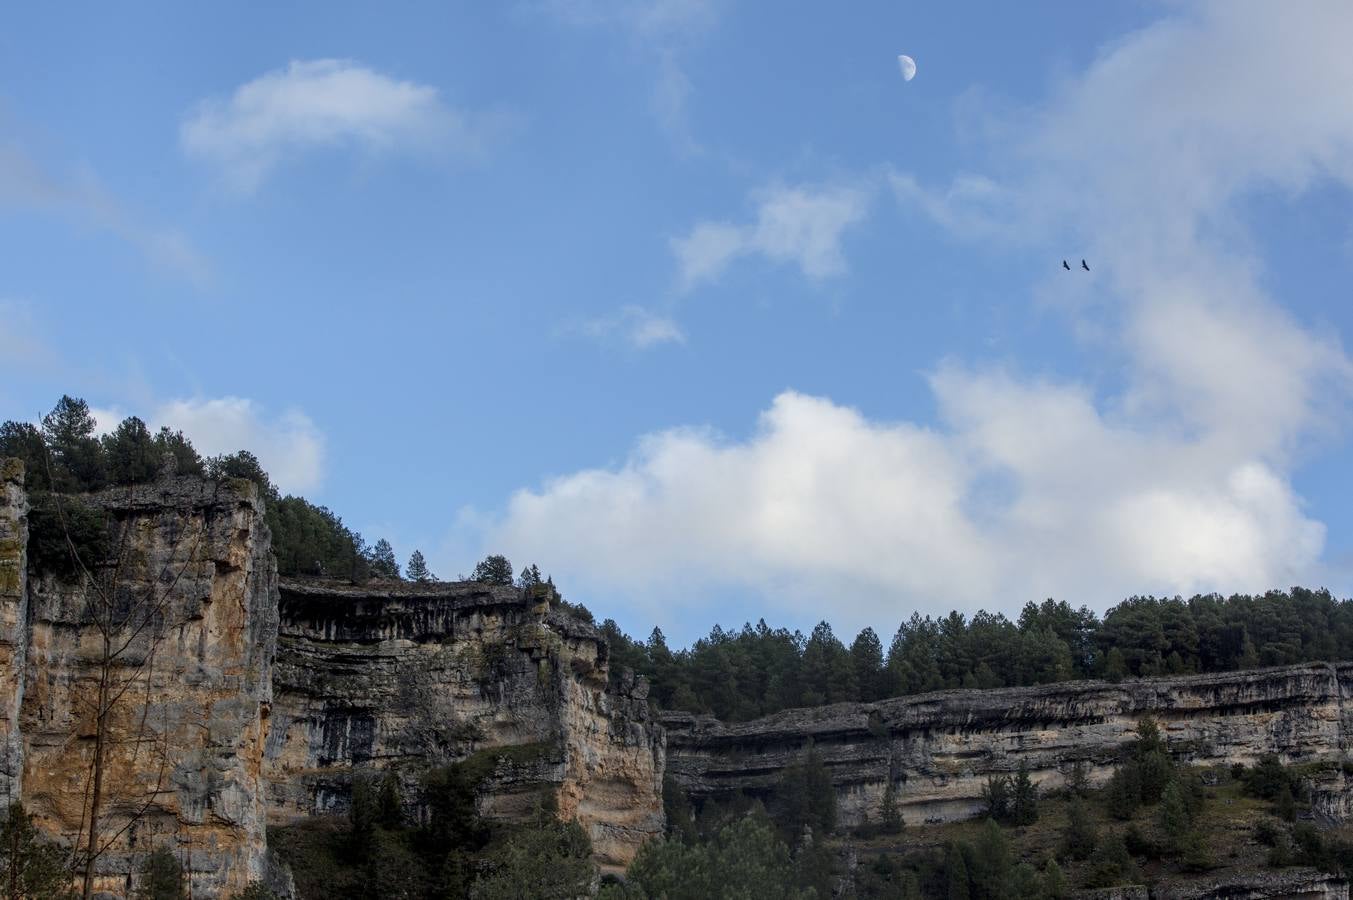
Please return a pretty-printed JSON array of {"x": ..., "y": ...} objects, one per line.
[
  {"x": 938, "y": 749},
  {"x": 222, "y": 723},
  {"x": 185, "y": 595},
  {"x": 403, "y": 676}
]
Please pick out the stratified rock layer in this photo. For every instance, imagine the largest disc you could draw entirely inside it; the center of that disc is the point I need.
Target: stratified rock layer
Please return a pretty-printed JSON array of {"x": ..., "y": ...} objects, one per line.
[
  {"x": 407, "y": 676},
  {"x": 193, "y": 680},
  {"x": 940, "y": 748}
]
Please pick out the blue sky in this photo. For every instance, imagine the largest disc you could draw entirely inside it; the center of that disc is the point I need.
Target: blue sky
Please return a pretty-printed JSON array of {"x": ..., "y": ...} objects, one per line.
[{"x": 705, "y": 310}]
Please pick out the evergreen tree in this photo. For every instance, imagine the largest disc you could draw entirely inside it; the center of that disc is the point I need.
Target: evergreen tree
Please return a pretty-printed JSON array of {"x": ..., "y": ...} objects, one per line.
[
  {"x": 890, "y": 815},
  {"x": 187, "y": 460},
  {"x": 1174, "y": 817},
  {"x": 1078, "y": 780},
  {"x": 1111, "y": 864},
  {"x": 1054, "y": 882},
  {"x": 866, "y": 659},
  {"x": 493, "y": 569},
  {"x": 417, "y": 569},
  {"x": 1080, "y": 836},
  {"x": 77, "y": 457},
  {"x": 955, "y": 873},
  {"x": 389, "y": 809},
  {"x": 547, "y": 859},
  {"x": 383, "y": 562},
  {"x": 1025, "y": 883},
  {"x": 1023, "y": 797},
  {"x": 244, "y": 464},
  {"x": 1123, "y": 793},
  {"x": 23, "y": 441},
  {"x": 30, "y": 868},
  {"x": 530, "y": 577},
  {"x": 161, "y": 877},
  {"x": 806, "y": 796},
  {"x": 1154, "y": 766},
  {"x": 996, "y": 797},
  {"x": 130, "y": 453}
]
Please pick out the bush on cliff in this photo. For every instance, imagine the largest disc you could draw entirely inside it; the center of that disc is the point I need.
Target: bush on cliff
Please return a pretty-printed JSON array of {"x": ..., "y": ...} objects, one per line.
[
  {"x": 161, "y": 877},
  {"x": 30, "y": 867}
]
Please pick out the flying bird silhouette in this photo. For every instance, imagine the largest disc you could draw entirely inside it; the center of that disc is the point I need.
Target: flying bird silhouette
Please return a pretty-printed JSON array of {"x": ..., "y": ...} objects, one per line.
[
  {"x": 1065, "y": 266},
  {"x": 1084, "y": 266}
]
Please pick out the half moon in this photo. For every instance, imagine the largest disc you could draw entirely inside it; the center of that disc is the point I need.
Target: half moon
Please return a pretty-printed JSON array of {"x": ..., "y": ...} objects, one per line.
[{"x": 908, "y": 67}]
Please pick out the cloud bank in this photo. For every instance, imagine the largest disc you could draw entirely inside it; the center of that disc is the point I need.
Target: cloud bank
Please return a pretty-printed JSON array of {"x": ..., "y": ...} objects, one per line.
[{"x": 322, "y": 103}]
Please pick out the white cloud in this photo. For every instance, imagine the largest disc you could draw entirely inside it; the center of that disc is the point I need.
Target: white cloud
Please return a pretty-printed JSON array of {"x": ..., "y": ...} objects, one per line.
[
  {"x": 289, "y": 445},
  {"x": 325, "y": 103},
  {"x": 1180, "y": 481},
  {"x": 80, "y": 196},
  {"x": 639, "y": 327},
  {"x": 802, "y": 225},
  {"x": 882, "y": 518}
]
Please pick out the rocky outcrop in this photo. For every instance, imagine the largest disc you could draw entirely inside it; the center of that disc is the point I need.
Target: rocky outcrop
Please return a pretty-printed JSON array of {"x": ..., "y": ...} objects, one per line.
[
  {"x": 406, "y": 676},
  {"x": 939, "y": 748},
  {"x": 1293, "y": 884},
  {"x": 1264, "y": 884},
  {"x": 187, "y": 597},
  {"x": 13, "y": 622}
]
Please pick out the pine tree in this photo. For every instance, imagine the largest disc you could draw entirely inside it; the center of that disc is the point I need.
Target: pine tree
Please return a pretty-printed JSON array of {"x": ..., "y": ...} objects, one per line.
[
  {"x": 996, "y": 796},
  {"x": 956, "y": 873},
  {"x": 866, "y": 658},
  {"x": 130, "y": 453},
  {"x": 891, "y": 815},
  {"x": 1174, "y": 817},
  {"x": 77, "y": 457},
  {"x": 1079, "y": 837},
  {"x": 493, "y": 569},
  {"x": 1078, "y": 780},
  {"x": 1054, "y": 882},
  {"x": 30, "y": 868},
  {"x": 161, "y": 877},
  {"x": 383, "y": 562},
  {"x": 389, "y": 809},
  {"x": 1024, "y": 797},
  {"x": 417, "y": 569},
  {"x": 187, "y": 459},
  {"x": 530, "y": 577}
]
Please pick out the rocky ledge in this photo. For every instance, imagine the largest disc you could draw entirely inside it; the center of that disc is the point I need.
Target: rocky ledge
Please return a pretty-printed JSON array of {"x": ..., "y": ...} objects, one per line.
[
  {"x": 938, "y": 749},
  {"x": 400, "y": 676}
]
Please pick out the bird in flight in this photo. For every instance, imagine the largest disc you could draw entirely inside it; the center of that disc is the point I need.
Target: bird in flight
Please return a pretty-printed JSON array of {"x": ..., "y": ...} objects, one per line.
[
  {"x": 1084, "y": 266},
  {"x": 1065, "y": 266}
]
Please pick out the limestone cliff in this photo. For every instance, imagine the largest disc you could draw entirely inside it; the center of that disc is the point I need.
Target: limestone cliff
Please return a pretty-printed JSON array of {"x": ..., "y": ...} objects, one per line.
[
  {"x": 939, "y": 748},
  {"x": 405, "y": 676},
  {"x": 190, "y": 591},
  {"x": 13, "y": 621}
]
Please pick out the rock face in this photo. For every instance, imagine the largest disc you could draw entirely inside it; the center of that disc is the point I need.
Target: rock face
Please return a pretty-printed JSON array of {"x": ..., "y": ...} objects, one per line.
[
  {"x": 201, "y": 756},
  {"x": 190, "y": 598},
  {"x": 1292, "y": 884},
  {"x": 405, "y": 676},
  {"x": 940, "y": 748},
  {"x": 13, "y": 622}
]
